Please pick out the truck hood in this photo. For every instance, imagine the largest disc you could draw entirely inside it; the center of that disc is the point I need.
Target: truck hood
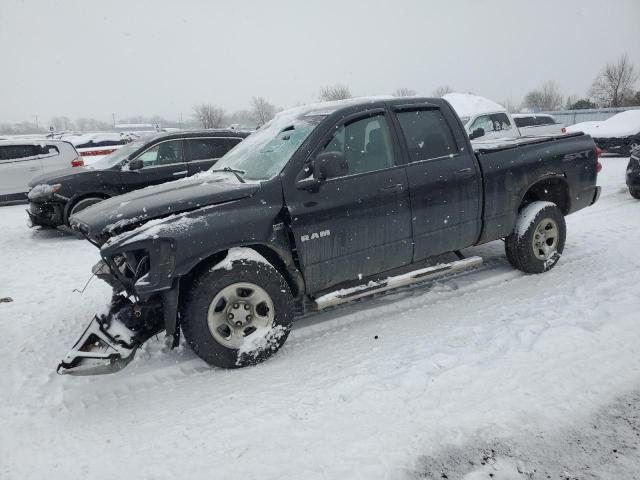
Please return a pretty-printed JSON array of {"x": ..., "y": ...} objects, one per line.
[{"x": 126, "y": 212}]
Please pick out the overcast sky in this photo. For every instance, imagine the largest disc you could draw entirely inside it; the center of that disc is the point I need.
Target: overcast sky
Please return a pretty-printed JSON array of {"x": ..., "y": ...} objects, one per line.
[{"x": 97, "y": 57}]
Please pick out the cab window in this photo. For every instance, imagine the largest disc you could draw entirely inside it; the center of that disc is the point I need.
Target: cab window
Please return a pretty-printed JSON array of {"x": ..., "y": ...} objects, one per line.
[
  {"x": 165, "y": 153},
  {"x": 366, "y": 144}
]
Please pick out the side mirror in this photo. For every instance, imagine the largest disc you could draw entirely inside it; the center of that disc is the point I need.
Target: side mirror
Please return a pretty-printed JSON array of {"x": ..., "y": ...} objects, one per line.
[
  {"x": 477, "y": 133},
  {"x": 329, "y": 165},
  {"x": 136, "y": 164}
]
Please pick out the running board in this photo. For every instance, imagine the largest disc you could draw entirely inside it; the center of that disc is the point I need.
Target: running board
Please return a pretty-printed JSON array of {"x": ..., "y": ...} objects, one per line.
[{"x": 348, "y": 294}]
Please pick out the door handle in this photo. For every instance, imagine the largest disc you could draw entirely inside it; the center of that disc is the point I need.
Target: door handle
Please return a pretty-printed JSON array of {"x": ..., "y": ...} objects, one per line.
[
  {"x": 398, "y": 187},
  {"x": 34, "y": 169},
  {"x": 465, "y": 171},
  {"x": 183, "y": 172}
]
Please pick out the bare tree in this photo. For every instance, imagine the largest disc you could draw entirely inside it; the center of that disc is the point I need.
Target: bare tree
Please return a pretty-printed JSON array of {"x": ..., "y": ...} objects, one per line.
[
  {"x": 404, "y": 92},
  {"x": 334, "y": 92},
  {"x": 61, "y": 124},
  {"x": 209, "y": 115},
  {"x": 546, "y": 98},
  {"x": 442, "y": 90},
  {"x": 615, "y": 83},
  {"x": 509, "y": 105},
  {"x": 262, "y": 110}
]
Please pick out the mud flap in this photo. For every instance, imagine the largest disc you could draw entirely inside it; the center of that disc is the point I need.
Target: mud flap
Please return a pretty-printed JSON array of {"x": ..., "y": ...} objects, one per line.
[{"x": 106, "y": 346}]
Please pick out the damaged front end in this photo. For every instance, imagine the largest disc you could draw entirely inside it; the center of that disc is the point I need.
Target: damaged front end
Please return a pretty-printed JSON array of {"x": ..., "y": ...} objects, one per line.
[
  {"x": 110, "y": 341},
  {"x": 144, "y": 303}
]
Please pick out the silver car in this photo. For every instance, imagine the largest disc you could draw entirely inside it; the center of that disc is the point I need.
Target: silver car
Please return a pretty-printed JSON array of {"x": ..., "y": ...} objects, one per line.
[{"x": 21, "y": 160}]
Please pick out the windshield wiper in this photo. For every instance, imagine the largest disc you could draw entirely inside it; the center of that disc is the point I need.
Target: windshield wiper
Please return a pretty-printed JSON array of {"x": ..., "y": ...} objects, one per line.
[{"x": 232, "y": 170}]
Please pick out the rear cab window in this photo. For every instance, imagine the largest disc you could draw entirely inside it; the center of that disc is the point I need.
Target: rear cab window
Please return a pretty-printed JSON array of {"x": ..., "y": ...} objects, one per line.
[{"x": 210, "y": 148}]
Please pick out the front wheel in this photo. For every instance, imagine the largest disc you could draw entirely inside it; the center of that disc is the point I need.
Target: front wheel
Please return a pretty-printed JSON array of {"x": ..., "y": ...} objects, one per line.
[
  {"x": 81, "y": 205},
  {"x": 635, "y": 193},
  {"x": 537, "y": 241},
  {"x": 237, "y": 315}
]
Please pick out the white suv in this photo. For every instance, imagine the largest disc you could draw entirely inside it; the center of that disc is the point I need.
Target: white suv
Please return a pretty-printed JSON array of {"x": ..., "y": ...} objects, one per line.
[{"x": 22, "y": 160}]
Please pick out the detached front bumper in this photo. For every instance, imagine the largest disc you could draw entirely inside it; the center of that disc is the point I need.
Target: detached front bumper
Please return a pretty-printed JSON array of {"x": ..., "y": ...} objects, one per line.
[{"x": 109, "y": 342}]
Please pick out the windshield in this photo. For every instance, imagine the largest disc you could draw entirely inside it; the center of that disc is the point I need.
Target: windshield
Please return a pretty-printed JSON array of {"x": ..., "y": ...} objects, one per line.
[
  {"x": 117, "y": 156},
  {"x": 264, "y": 153}
]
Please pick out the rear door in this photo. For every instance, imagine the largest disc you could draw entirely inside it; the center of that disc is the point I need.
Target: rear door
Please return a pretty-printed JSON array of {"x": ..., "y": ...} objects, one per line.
[
  {"x": 55, "y": 157},
  {"x": 358, "y": 224},
  {"x": 444, "y": 182},
  {"x": 163, "y": 162},
  {"x": 204, "y": 152},
  {"x": 18, "y": 165}
]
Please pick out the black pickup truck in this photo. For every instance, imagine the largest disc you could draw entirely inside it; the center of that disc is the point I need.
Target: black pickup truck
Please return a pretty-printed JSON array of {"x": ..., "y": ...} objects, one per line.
[{"x": 317, "y": 207}]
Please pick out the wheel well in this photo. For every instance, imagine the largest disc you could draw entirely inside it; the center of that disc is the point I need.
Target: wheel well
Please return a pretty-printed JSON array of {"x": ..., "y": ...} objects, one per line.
[
  {"x": 73, "y": 202},
  {"x": 269, "y": 254},
  {"x": 552, "y": 189}
]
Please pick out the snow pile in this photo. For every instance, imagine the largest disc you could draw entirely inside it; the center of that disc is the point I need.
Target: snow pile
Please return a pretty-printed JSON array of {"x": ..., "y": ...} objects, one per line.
[
  {"x": 263, "y": 338},
  {"x": 621, "y": 125},
  {"x": 239, "y": 254},
  {"x": 468, "y": 105}
]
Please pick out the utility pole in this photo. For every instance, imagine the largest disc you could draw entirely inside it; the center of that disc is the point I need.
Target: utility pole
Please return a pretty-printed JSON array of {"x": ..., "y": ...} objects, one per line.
[
  {"x": 113, "y": 118},
  {"x": 36, "y": 122}
]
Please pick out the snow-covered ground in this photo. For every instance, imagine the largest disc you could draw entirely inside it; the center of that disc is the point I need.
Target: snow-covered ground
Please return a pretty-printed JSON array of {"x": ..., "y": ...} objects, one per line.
[{"x": 492, "y": 372}]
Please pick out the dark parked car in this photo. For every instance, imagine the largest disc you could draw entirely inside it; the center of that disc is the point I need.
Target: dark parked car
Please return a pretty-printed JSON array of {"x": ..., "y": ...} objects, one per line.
[
  {"x": 619, "y": 134},
  {"x": 54, "y": 197},
  {"x": 324, "y": 204},
  {"x": 633, "y": 173}
]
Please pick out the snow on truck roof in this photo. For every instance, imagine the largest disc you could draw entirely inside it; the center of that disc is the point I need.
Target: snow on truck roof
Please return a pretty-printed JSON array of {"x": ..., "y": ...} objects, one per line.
[{"x": 469, "y": 105}]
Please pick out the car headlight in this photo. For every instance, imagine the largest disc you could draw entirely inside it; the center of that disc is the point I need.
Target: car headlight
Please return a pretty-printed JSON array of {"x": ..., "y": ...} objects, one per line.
[
  {"x": 43, "y": 191},
  {"x": 132, "y": 264}
]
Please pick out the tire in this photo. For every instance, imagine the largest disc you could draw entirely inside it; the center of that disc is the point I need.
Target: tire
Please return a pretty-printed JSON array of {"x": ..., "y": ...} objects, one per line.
[
  {"x": 537, "y": 241},
  {"x": 216, "y": 293},
  {"x": 81, "y": 205},
  {"x": 635, "y": 193}
]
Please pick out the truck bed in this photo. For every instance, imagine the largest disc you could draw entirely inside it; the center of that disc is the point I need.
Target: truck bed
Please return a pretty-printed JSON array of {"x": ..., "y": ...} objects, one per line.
[
  {"x": 498, "y": 144},
  {"x": 511, "y": 166}
]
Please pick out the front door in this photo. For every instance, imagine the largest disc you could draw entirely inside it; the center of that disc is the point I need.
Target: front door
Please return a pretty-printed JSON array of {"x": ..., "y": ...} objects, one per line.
[
  {"x": 444, "y": 182},
  {"x": 358, "y": 224},
  {"x": 162, "y": 163}
]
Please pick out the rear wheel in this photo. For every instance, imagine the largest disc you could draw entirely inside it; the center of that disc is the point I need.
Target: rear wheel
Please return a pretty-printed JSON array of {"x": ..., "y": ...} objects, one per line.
[
  {"x": 81, "y": 205},
  {"x": 238, "y": 316},
  {"x": 537, "y": 242},
  {"x": 635, "y": 193}
]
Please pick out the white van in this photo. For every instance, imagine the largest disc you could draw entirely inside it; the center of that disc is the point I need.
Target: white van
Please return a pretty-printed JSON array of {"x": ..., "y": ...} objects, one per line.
[{"x": 21, "y": 160}]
